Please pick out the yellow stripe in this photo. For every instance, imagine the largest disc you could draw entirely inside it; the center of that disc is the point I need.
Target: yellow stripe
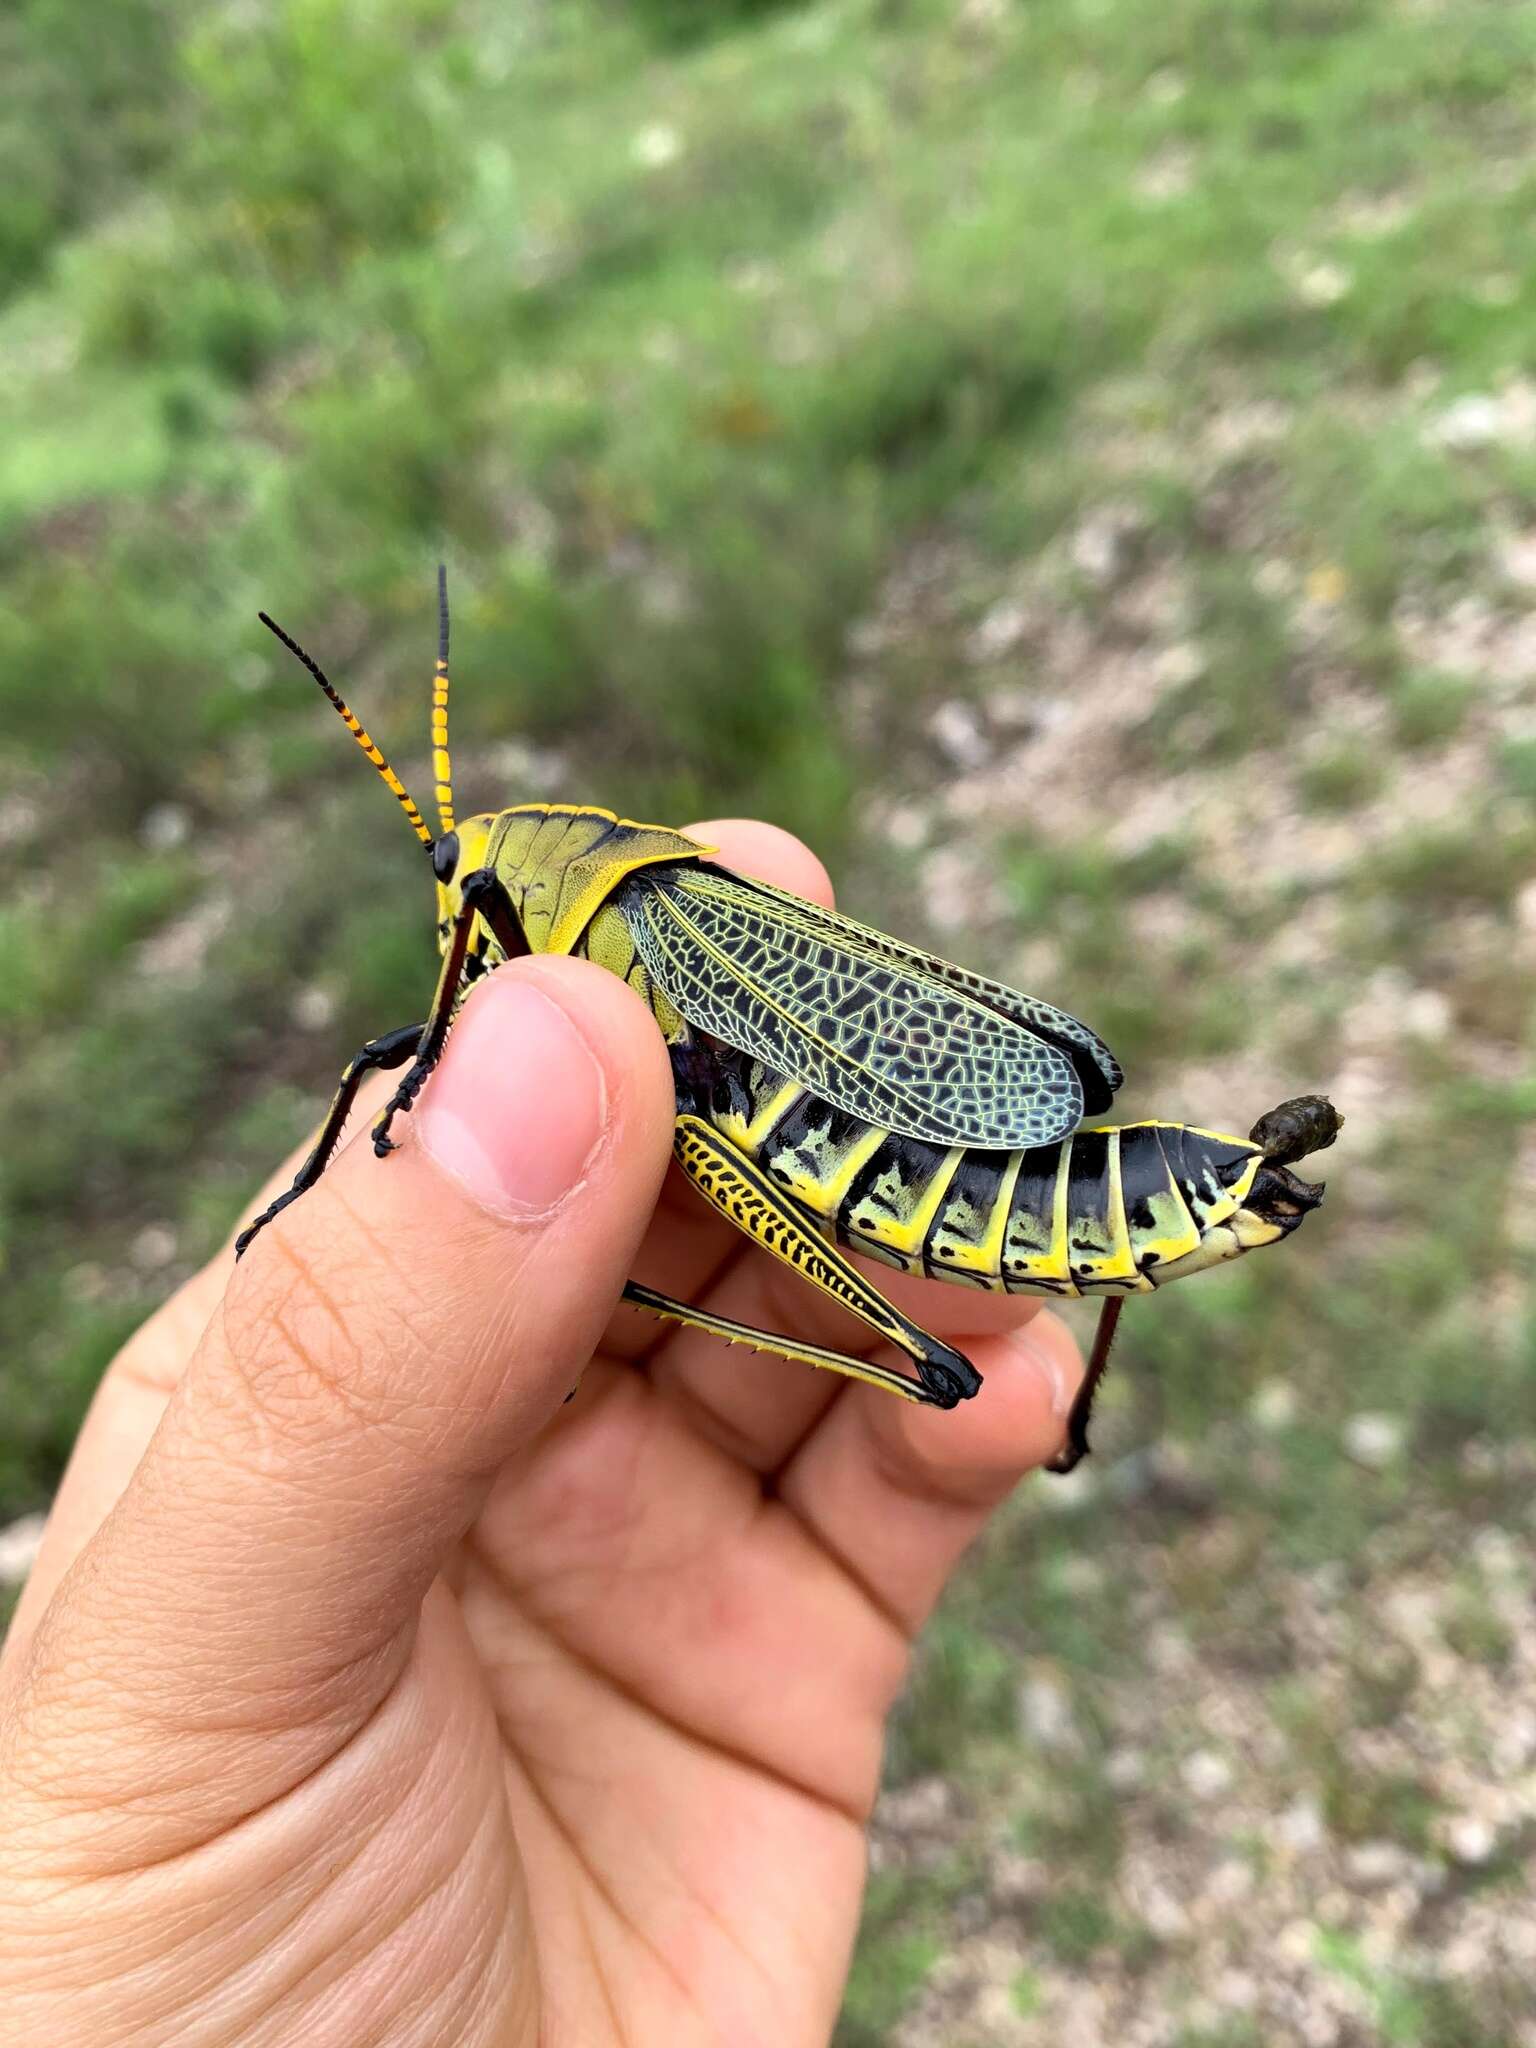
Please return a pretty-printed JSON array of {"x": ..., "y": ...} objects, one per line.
[
  {"x": 905, "y": 1235},
  {"x": 779, "y": 1104},
  {"x": 858, "y": 1154},
  {"x": 1163, "y": 1123},
  {"x": 985, "y": 1257},
  {"x": 826, "y": 1197},
  {"x": 1123, "y": 1258},
  {"x": 1055, "y": 1262},
  {"x": 1061, "y": 1252}
]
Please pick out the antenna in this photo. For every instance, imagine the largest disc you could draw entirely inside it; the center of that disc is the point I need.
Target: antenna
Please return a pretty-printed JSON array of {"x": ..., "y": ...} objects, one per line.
[
  {"x": 442, "y": 767},
  {"x": 392, "y": 781}
]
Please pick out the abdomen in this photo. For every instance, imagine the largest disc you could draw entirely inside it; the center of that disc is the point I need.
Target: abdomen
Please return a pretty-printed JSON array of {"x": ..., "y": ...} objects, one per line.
[{"x": 1106, "y": 1211}]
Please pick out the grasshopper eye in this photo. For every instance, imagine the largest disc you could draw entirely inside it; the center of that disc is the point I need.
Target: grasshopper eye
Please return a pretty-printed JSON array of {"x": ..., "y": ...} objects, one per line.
[{"x": 445, "y": 856}]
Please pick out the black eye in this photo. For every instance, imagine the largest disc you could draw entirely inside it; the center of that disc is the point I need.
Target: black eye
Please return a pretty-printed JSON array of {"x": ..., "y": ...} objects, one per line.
[{"x": 445, "y": 856}]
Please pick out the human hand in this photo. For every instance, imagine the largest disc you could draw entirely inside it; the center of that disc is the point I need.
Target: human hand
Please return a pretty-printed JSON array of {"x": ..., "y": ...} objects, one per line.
[{"x": 363, "y": 1693}]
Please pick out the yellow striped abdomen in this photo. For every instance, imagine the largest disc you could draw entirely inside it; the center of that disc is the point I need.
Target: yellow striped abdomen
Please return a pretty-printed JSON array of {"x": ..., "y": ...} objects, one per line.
[{"x": 1110, "y": 1210}]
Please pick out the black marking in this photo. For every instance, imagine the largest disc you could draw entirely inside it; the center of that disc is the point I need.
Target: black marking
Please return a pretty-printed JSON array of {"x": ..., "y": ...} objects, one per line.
[
  {"x": 1143, "y": 1175},
  {"x": 807, "y": 1119},
  {"x": 910, "y": 1161},
  {"x": 1203, "y": 1167},
  {"x": 1032, "y": 1211},
  {"x": 975, "y": 1187}
]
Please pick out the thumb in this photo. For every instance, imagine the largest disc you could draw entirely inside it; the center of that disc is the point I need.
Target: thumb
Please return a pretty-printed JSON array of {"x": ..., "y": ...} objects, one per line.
[{"x": 386, "y": 1344}]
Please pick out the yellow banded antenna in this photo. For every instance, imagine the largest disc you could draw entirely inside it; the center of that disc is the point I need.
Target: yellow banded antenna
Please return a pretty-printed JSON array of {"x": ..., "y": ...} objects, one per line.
[
  {"x": 442, "y": 767},
  {"x": 392, "y": 782}
]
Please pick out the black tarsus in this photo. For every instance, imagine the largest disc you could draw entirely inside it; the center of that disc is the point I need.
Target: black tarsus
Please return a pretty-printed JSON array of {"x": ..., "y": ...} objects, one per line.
[
  {"x": 442, "y": 613},
  {"x": 1076, "y": 1446},
  {"x": 946, "y": 1375},
  {"x": 378, "y": 1055}
]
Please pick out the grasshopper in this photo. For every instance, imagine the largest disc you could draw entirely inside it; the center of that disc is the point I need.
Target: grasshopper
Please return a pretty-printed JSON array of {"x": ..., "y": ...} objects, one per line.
[{"x": 837, "y": 1090}]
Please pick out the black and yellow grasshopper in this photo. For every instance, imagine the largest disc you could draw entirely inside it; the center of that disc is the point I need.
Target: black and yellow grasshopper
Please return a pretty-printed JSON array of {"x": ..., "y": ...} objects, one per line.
[{"x": 836, "y": 1087}]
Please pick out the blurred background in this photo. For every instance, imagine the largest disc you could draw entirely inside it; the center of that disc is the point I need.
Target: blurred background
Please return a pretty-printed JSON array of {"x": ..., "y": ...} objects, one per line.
[{"x": 1073, "y": 461}]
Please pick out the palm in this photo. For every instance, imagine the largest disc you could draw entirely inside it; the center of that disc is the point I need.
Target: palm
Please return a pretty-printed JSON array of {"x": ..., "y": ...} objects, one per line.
[
  {"x": 675, "y": 1638},
  {"x": 688, "y": 1698}
]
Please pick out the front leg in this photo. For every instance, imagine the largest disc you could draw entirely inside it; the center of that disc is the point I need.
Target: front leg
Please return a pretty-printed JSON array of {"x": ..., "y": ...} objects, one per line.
[
  {"x": 378, "y": 1055},
  {"x": 743, "y": 1193},
  {"x": 482, "y": 896}
]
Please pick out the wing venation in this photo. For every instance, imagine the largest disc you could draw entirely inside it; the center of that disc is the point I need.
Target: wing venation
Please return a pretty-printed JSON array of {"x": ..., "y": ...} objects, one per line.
[{"x": 879, "y": 1030}]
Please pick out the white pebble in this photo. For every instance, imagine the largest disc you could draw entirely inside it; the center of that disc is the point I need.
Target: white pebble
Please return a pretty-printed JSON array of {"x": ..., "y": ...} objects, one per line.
[
  {"x": 1471, "y": 422},
  {"x": 1300, "y": 1827},
  {"x": 656, "y": 145},
  {"x": 153, "y": 1248},
  {"x": 1471, "y": 1839},
  {"x": 998, "y": 631},
  {"x": 1125, "y": 1770},
  {"x": 1427, "y": 1015},
  {"x": 1374, "y": 1440},
  {"x": 1206, "y": 1775},
  {"x": 1232, "y": 1879},
  {"x": 1274, "y": 1405},
  {"x": 19, "y": 1547},
  {"x": 1372, "y": 1866},
  {"x": 1168, "y": 175},
  {"x": 1182, "y": 662},
  {"x": 1102, "y": 544},
  {"x": 164, "y": 827},
  {"x": 1517, "y": 556},
  {"x": 313, "y": 1008},
  {"x": 1045, "y": 1711},
  {"x": 1066, "y": 1490},
  {"x": 1322, "y": 283},
  {"x": 1237, "y": 1990},
  {"x": 957, "y": 729}
]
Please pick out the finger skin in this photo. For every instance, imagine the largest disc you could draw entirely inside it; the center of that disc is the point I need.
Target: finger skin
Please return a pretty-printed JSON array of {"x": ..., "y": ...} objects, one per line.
[
  {"x": 638, "y": 1548},
  {"x": 127, "y": 1407},
  {"x": 376, "y": 1357},
  {"x": 897, "y": 1493},
  {"x": 759, "y": 1407}
]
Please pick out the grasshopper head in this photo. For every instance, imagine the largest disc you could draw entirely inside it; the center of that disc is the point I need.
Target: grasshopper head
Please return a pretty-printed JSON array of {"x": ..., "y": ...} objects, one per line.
[{"x": 455, "y": 854}]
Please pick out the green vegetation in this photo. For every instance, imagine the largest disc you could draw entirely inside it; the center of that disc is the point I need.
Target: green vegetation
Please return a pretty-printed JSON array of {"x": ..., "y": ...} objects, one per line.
[{"x": 774, "y": 377}]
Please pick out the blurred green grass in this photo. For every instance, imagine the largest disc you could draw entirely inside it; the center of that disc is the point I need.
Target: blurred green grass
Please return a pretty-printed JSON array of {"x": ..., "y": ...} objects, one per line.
[{"x": 684, "y": 333}]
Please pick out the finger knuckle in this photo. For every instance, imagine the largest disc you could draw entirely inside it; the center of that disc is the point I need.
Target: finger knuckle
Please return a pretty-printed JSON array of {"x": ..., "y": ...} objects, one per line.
[{"x": 304, "y": 1332}]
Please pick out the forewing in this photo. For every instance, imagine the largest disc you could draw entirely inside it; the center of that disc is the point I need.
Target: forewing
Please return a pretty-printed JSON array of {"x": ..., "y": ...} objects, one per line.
[
  {"x": 851, "y": 1014},
  {"x": 1097, "y": 1068}
]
